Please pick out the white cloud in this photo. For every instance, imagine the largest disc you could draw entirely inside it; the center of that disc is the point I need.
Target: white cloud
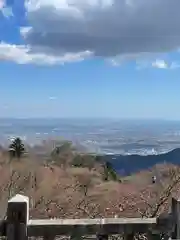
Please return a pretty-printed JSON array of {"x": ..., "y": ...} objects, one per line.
[
  {"x": 165, "y": 65},
  {"x": 22, "y": 54},
  {"x": 160, "y": 64},
  {"x": 175, "y": 65},
  {"x": 5, "y": 10},
  {"x": 111, "y": 29},
  {"x": 139, "y": 57},
  {"x": 2, "y": 3},
  {"x": 52, "y": 98}
]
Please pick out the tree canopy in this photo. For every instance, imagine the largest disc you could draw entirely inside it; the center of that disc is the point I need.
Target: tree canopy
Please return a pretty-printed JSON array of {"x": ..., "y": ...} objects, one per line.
[{"x": 16, "y": 148}]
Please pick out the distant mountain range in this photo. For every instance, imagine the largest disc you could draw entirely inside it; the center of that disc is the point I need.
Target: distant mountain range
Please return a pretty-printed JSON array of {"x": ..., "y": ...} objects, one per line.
[{"x": 126, "y": 164}]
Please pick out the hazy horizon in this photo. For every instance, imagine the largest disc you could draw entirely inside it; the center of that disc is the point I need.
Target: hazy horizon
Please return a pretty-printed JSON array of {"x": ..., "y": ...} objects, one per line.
[
  {"x": 93, "y": 118},
  {"x": 98, "y": 135}
]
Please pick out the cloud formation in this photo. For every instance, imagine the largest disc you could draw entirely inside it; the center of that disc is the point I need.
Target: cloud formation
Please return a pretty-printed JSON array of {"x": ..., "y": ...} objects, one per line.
[
  {"x": 52, "y": 98},
  {"x": 158, "y": 63},
  {"x": 162, "y": 64},
  {"x": 5, "y": 10},
  {"x": 1, "y": 4},
  {"x": 103, "y": 28},
  {"x": 22, "y": 54}
]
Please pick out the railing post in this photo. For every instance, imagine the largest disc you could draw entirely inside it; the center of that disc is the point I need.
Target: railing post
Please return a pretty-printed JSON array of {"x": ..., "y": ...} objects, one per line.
[
  {"x": 76, "y": 237},
  {"x": 102, "y": 237},
  {"x": 17, "y": 217},
  {"x": 154, "y": 236},
  {"x": 129, "y": 236},
  {"x": 176, "y": 218}
]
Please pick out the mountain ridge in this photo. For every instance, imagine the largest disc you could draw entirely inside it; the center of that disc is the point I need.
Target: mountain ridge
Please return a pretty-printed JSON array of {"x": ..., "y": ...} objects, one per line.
[{"x": 127, "y": 164}]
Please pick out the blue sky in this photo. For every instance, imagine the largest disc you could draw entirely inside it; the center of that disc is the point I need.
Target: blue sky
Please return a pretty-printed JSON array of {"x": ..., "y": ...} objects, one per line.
[{"x": 90, "y": 58}]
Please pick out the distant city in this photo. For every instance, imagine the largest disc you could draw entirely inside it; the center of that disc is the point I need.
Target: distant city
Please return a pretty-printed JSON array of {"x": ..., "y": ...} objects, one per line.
[{"x": 100, "y": 136}]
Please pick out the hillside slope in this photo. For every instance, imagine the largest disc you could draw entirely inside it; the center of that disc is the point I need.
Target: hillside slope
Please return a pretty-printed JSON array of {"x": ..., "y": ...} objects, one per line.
[
  {"x": 80, "y": 192},
  {"x": 131, "y": 163}
]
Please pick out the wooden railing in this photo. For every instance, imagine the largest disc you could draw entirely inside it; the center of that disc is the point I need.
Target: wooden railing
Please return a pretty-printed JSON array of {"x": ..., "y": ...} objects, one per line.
[{"x": 18, "y": 226}]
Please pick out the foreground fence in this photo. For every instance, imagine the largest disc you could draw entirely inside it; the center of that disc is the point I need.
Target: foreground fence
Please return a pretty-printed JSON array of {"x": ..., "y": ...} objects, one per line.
[{"x": 18, "y": 226}]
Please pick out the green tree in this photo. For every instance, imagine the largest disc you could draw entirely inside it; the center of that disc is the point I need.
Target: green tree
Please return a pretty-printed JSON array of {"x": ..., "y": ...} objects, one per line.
[
  {"x": 105, "y": 172},
  {"x": 16, "y": 148},
  {"x": 77, "y": 161},
  {"x": 109, "y": 173},
  {"x": 99, "y": 158},
  {"x": 83, "y": 160},
  {"x": 55, "y": 153},
  {"x": 61, "y": 154},
  {"x": 61, "y": 149}
]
